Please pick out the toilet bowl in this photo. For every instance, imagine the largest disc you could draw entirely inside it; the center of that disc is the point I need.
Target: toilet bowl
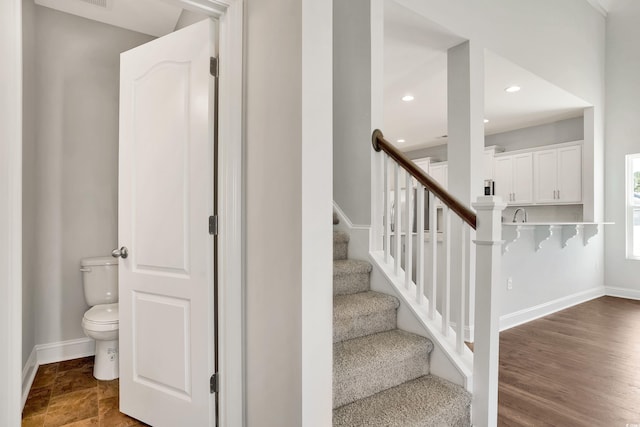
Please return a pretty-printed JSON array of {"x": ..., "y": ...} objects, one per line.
[{"x": 100, "y": 322}]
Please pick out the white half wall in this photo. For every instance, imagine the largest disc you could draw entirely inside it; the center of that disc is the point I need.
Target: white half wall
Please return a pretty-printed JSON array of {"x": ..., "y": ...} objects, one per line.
[
  {"x": 622, "y": 135},
  {"x": 551, "y": 278}
]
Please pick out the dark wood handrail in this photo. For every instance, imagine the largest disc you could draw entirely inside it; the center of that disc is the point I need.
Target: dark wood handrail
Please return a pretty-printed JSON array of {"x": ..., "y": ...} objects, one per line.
[{"x": 379, "y": 143}]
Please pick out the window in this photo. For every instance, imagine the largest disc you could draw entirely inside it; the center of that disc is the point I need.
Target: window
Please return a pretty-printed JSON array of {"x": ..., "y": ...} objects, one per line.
[{"x": 633, "y": 206}]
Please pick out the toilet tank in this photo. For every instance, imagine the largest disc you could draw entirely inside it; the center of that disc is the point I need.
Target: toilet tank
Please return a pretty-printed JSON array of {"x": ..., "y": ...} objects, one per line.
[{"x": 100, "y": 280}]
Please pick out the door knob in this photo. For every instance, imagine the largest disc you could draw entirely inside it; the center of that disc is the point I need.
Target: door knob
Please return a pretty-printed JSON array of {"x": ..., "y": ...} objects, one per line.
[{"x": 123, "y": 252}]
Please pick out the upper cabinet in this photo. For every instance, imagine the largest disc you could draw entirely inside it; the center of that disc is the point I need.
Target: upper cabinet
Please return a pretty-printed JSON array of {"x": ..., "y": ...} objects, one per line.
[
  {"x": 423, "y": 163},
  {"x": 512, "y": 176},
  {"x": 557, "y": 175},
  {"x": 439, "y": 172},
  {"x": 548, "y": 175}
]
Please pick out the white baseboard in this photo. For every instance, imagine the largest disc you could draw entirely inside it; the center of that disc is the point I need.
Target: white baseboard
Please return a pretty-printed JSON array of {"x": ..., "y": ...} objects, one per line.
[
  {"x": 28, "y": 374},
  {"x": 622, "y": 292},
  {"x": 528, "y": 314},
  {"x": 51, "y": 353},
  {"x": 65, "y": 350}
]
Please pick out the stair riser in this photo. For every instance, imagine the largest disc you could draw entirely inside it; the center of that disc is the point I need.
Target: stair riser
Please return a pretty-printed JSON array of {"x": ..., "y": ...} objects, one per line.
[
  {"x": 370, "y": 380},
  {"x": 345, "y": 284},
  {"x": 360, "y": 326},
  {"x": 340, "y": 250}
]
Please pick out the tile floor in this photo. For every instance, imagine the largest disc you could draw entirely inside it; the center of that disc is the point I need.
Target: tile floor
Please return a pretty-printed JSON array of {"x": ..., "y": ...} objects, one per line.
[{"x": 67, "y": 394}]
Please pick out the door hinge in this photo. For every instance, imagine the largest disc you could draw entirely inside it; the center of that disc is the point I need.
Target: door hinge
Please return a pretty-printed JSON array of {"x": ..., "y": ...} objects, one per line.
[
  {"x": 213, "y": 225},
  {"x": 213, "y": 383},
  {"x": 213, "y": 66}
]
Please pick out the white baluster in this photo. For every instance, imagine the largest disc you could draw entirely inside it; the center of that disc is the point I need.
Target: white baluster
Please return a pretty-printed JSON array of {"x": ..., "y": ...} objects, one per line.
[
  {"x": 397, "y": 216},
  {"x": 408, "y": 252},
  {"x": 420, "y": 244},
  {"x": 433, "y": 278},
  {"x": 463, "y": 288},
  {"x": 387, "y": 212},
  {"x": 446, "y": 293}
]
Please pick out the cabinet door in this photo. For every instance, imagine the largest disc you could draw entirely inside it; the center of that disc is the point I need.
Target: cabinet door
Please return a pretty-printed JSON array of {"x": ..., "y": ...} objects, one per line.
[
  {"x": 570, "y": 174},
  {"x": 522, "y": 174},
  {"x": 545, "y": 176},
  {"x": 423, "y": 164},
  {"x": 503, "y": 177},
  {"x": 439, "y": 173}
]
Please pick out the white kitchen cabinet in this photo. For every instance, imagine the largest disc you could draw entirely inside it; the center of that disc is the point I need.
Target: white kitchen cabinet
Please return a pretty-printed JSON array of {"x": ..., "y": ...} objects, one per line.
[
  {"x": 488, "y": 161},
  {"x": 423, "y": 163},
  {"x": 439, "y": 172},
  {"x": 512, "y": 176},
  {"x": 557, "y": 175}
]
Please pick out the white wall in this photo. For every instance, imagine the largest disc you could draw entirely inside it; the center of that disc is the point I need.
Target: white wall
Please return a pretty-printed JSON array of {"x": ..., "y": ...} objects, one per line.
[
  {"x": 549, "y": 279},
  {"x": 71, "y": 170},
  {"x": 352, "y": 113},
  {"x": 622, "y": 135},
  {"x": 29, "y": 202},
  {"x": 535, "y": 136},
  {"x": 288, "y": 166}
]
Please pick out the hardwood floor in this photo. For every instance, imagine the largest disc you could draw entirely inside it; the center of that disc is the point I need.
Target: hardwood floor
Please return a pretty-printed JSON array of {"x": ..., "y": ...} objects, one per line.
[
  {"x": 577, "y": 367},
  {"x": 67, "y": 394}
]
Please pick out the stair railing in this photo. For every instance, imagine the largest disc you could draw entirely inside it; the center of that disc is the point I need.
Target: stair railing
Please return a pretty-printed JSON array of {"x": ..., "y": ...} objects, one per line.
[{"x": 429, "y": 285}]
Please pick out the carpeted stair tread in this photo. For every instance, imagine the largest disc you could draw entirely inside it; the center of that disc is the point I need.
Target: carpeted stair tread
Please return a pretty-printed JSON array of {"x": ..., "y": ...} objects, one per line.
[
  {"x": 350, "y": 276},
  {"x": 426, "y": 401},
  {"x": 340, "y": 245},
  {"x": 367, "y": 365},
  {"x": 363, "y": 313},
  {"x": 336, "y": 220},
  {"x": 340, "y": 237}
]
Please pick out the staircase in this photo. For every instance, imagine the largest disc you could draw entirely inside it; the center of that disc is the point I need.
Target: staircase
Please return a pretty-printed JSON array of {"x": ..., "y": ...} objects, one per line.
[{"x": 381, "y": 373}]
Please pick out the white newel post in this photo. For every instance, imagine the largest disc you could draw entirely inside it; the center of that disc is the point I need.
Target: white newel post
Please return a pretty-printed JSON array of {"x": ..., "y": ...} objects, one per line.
[{"x": 487, "y": 313}]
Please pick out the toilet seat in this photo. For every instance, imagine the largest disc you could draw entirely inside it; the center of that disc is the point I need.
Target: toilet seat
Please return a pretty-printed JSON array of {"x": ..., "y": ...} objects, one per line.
[{"x": 103, "y": 317}]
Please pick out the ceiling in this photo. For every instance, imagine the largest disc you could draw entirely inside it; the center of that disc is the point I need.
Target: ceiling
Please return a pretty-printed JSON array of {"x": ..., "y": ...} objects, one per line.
[
  {"x": 152, "y": 17},
  {"x": 415, "y": 62}
]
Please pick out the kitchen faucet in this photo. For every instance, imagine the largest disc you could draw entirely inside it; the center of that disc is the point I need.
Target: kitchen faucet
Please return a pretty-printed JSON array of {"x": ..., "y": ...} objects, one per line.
[{"x": 515, "y": 215}]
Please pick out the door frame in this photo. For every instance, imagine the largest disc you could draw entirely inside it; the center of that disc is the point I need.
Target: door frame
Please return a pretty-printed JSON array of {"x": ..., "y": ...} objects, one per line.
[{"x": 230, "y": 196}]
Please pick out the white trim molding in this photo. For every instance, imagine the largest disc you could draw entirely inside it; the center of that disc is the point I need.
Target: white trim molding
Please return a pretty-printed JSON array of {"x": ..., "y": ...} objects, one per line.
[
  {"x": 52, "y": 353},
  {"x": 231, "y": 238},
  {"x": 622, "y": 292},
  {"x": 64, "y": 350},
  {"x": 10, "y": 211},
  {"x": 511, "y": 320},
  {"x": 28, "y": 375}
]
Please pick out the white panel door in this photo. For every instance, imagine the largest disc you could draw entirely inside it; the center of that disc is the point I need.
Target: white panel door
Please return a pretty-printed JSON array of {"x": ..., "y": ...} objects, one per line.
[
  {"x": 523, "y": 178},
  {"x": 165, "y": 200},
  {"x": 503, "y": 177},
  {"x": 570, "y": 174},
  {"x": 545, "y": 176}
]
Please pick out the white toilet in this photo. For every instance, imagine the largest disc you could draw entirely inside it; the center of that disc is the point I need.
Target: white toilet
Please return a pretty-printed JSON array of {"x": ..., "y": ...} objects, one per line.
[{"x": 100, "y": 322}]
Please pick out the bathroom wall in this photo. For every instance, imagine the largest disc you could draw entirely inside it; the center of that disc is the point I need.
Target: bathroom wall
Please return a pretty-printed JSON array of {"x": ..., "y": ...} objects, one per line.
[
  {"x": 71, "y": 170},
  {"x": 28, "y": 179}
]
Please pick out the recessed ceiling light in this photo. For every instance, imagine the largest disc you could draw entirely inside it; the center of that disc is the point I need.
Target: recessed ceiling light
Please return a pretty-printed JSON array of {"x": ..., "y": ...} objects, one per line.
[
  {"x": 486, "y": 120},
  {"x": 512, "y": 89},
  {"x": 400, "y": 140},
  {"x": 407, "y": 98}
]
